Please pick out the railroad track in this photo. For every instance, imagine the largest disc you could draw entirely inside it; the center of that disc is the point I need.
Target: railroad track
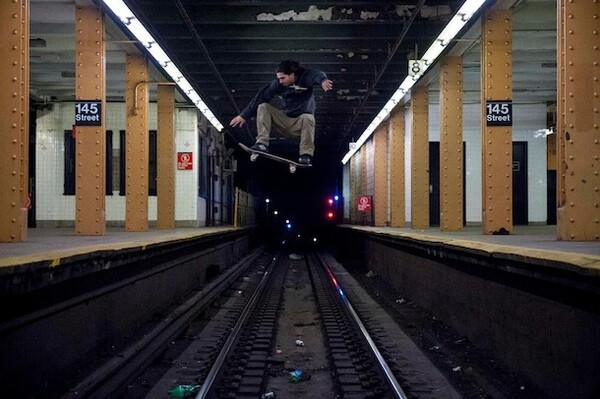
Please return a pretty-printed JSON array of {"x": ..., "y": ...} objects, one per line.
[{"x": 281, "y": 328}]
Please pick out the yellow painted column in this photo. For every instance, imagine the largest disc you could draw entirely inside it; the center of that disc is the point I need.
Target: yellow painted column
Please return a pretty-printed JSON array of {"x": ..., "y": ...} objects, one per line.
[
  {"x": 420, "y": 158},
  {"x": 397, "y": 131},
  {"x": 380, "y": 196},
  {"x": 166, "y": 157},
  {"x": 365, "y": 217},
  {"x": 496, "y": 141},
  {"x": 354, "y": 186},
  {"x": 451, "y": 144},
  {"x": 560, "y": 140},
  {"x": 137, "y": 143},
  {"x": 14, "y": 119},
  {"x": 578, "y": 125},
  {"x": 363, "y": 170},
  {"x": 90, "y": 136},
  {"x": 25, "y": 127},
  {"x": 235, "y": 207}
]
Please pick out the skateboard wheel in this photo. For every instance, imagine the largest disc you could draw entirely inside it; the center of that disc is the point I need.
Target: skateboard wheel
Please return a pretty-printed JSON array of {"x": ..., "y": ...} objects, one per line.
[
  {"x": 292, "y": 169},
  {"x": 253, "y": 157}
]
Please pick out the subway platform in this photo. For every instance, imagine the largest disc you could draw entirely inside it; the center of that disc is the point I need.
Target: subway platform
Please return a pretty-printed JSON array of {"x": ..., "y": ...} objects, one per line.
[
  {"x": 55, "y": 243},
  {"x": 71, "y": 299},
  {"x": 538, "y": 242},
  {"x": 531, "y": 300},
  {"x": 528, "y": 298}
]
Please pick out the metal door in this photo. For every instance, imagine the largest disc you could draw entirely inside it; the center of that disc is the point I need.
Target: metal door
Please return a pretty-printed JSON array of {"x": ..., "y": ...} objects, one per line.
[{"x": 519, "y": 168}]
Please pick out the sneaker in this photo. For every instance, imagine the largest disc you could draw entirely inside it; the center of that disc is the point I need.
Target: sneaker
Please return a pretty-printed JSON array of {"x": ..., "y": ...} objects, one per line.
[
  {"x": 260, "y": 147},
  {"x": 305, "y": 159}
]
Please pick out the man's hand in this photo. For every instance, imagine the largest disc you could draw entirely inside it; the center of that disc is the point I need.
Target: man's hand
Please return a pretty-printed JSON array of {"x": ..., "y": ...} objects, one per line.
[
  {"x": 327, "y": 85},
  {"x": 237, "y": 121}
]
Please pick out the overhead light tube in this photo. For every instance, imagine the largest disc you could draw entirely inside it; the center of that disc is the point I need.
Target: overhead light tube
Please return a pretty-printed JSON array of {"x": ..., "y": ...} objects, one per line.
[
  {"x": 135, "y": 26},
  {"x": 460, "y": 19}
]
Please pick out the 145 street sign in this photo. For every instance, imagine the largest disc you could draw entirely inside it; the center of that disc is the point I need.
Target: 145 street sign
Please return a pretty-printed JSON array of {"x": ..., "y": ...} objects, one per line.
[
  {"x": 88, "y": 113},
  {"x": 498, "y": 113}
]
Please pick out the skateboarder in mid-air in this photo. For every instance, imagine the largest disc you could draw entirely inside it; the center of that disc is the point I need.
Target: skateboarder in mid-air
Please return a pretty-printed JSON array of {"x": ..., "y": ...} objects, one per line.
[{"x": 295, "y": 86}]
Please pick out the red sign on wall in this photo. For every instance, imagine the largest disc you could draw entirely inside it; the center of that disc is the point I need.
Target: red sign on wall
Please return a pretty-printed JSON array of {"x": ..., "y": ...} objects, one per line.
[
  {"x": 364, "y": 203},
  {"x": 184, "y": 161}
]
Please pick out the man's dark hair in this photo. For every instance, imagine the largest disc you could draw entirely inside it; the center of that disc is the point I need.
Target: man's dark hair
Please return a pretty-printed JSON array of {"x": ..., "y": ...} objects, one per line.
[{"x": 288, "y": 67}]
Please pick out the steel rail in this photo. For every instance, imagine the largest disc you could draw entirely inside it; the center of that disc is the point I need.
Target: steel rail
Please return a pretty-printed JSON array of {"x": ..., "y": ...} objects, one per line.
[
  {"x": 109, "y": 377},
  {"x": 391, "y": 379},
  {"x": 223, "y": 354}
]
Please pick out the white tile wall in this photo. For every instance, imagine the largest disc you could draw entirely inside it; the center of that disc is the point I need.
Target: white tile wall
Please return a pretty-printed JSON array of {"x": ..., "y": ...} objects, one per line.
[
  {"x": 348, "y": 201},
  {"x": 529, "y": 124},
  {"x": 52, "y": 205},
  {"x": 186, "y": 181},
  {"x": 472, "y": 138}
]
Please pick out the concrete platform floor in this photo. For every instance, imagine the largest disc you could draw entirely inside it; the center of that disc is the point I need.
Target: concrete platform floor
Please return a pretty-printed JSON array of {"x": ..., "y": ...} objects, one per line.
[{"x": 50, "y": 243}]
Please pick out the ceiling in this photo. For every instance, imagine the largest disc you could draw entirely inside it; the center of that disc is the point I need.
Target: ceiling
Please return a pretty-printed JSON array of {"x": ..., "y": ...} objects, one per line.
[{"x": 228, "y": 50}]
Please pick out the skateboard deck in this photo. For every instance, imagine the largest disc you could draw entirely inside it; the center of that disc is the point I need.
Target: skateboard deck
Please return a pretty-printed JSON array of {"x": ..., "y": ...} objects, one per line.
[{"x": 254, "y": 154}]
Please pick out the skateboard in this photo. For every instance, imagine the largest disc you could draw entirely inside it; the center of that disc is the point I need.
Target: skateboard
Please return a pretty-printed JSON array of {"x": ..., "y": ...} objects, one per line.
[{"x": 254, "y": 154}]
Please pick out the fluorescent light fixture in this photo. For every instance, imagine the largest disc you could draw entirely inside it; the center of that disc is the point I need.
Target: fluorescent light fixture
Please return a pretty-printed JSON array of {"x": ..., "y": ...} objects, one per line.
[
  {"x": 134, "y": 25},
  {"x": 462, "y": 16},
  {"x": 120, "y": 10}
]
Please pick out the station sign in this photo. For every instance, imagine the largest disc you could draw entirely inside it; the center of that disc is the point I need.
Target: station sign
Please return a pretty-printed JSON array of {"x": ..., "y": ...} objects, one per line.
[
  {"x": 498, "y": 113},
  {"x": 185, "y": 161},
  {"x": 88, "y": 113},
  {"x": 364, "y": 203}
]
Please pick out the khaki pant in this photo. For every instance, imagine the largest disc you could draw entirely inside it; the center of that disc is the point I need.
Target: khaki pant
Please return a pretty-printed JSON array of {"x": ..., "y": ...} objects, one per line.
[{"x": 303, "y": 126}]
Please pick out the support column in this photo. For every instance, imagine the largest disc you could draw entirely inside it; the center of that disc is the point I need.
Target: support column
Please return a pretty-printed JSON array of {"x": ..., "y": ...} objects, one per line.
[
  {"x": 380, "y": 195},
  {"x": 496, "y": 141},
  {"x": 365, "y": 217},
  {"x": 397, "y": 182},
  {"x": 136, "y": 143},
  {"x": 26, "y": 199},
  {"x": 420, "y": 158},
  {"x": 354, "y": 186},
  {"x": 451, "y": 144},
  {"x": 578, "y": 124},
  {"x": 90, "y": 141},
  {"x": 166, "y": 157},
  {"x": 14, "y": 119}
]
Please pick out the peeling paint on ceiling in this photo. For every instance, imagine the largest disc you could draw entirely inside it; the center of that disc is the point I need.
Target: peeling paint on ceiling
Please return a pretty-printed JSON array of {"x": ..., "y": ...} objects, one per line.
[
  {"x": 313, "y": 14},
  {"x": 334, "y": 13}
]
